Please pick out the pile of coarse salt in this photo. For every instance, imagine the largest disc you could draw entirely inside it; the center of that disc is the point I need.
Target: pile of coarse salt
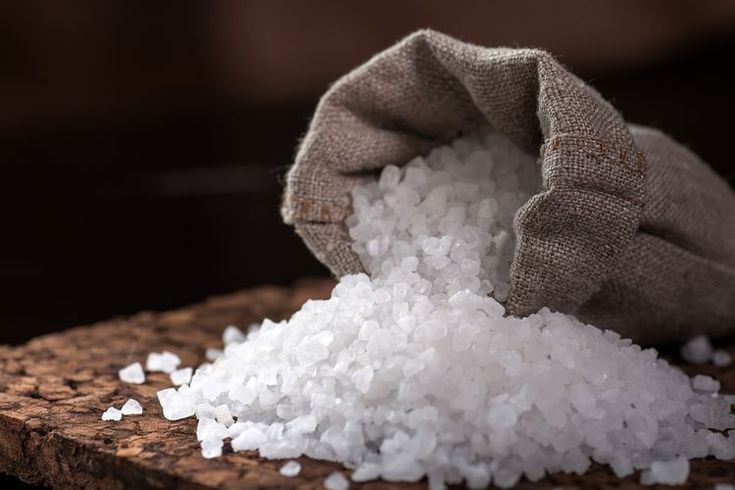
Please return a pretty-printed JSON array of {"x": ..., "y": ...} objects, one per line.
[{"x": 416, "y": 371}]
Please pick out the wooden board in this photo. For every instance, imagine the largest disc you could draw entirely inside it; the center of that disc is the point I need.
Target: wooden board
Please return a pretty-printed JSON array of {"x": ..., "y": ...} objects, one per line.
[{"x": 54, "y": 389}]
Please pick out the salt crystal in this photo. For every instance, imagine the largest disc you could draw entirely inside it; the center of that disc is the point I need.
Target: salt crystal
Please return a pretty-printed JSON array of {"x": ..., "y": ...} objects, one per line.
[
  {"x": 211, "y": 448},
  {"x": 721, "y": 358},
  {"x": 204, "y": 411},
  {"x": 112, "y": 413},
  {"x": 362, "y": 378},
  {"x": 242, "y": 394},
  {"x": 697, "y": 350},
  {"x": 132, "y": 374},
  {"x": 336, "y": 481},
  {"x": 132, "y": 407},
  {"x": 674, "y": 472},
  {"x": 249, "y": 439},
  {"x": 290, "y": 469},
  {"x": 175, "y": 405},
  {"x": 311, "y": 351},
  {"x": 389, "y": 177},
  {"x": 163, "y": 362},
  {"x": 233, "y": 335},
  {"x": 724, "y": 486},
  {"x": 223, "y": 416},
  {"x": 366, "y": 472},
  {"x": 211, "y": 429},
  {"x": 181, "y": 376},
  {"x": 212, "y": 354},
  {"x": 502, "y": 417},
  {"x": 705, "y": 383}
]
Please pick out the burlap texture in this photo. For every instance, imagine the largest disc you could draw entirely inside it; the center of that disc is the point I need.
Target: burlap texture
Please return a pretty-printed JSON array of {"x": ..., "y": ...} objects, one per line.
[{"x": 630, "y": 231}]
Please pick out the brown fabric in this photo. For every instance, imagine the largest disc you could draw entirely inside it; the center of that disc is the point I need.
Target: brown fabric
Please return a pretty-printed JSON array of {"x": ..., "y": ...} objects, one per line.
[{"x": 630, "y": 230}]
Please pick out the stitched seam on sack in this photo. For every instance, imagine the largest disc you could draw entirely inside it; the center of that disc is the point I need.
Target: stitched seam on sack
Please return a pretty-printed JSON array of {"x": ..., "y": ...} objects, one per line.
[
  {"x": 596, "y": 148},
  {"x": 318, "y": 212}
]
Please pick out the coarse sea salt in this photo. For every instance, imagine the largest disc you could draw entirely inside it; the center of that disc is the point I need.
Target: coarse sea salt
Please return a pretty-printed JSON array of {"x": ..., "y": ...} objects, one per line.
[
  {"x": 181, "y": 376},
  {"x": 112, "y": 413},
  {"x": 163, "y": 362},
  {"x": 721, "y": 358},
  {"x": 212, "y": 448},
  {"x": 336, "y": 481},
  {"x": 233, "y": 335},
  {"x": 132, "y": 374},
  {"x": 290, "y": 469},
  {"x": 415, "y": 370},
  {"x": 176, "y": 404},
  {"x": 674, "y": 472},
  {"x": 697, "y": 350},
  {"x": 701, "y": 382},
  {"x": 131, "y": 407}
]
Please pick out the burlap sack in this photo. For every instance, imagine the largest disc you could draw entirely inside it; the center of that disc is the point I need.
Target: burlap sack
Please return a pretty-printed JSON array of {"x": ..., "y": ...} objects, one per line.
[{"x": 631, "y": 231}]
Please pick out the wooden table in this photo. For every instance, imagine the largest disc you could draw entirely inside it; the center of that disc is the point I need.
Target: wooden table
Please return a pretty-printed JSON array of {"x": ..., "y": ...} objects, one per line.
[{"x": 54, "y": 389}]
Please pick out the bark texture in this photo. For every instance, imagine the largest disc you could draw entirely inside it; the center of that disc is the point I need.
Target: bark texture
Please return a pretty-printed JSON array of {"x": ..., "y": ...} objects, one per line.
[{"x": 54, "y": 389}]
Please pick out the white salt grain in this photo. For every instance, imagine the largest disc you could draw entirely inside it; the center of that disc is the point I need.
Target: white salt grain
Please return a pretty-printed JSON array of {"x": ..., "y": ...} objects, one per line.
[
  {"x": 721, "y": 358},
  {"x": 211, "y": 429},
  {"x": 223, "y": 416},
  {"x": 336, "y": 481},
  {"x": 175, "y": 405},
  {"x": 674, "y": 472},
  {"x": 181, "y": 376},
  {"x": 163, "y": 362},
  {"x": 416, "y": 370},
  {"x": 705, "y": 383},
  {"x": 366, "y": 472},
  {"x": 697, "y": 350},
  {"x": 250, "y": 439},
  {"x": 132, "y": 374},
  {"x": 232, "y": 335},
  {"x": 290, "y": 469},
  {"x": 724, "y": 486},
  {"x": 211, "y": 448},
  {"x": 112, "y": 413},
  {"x": 212, "y": 354},
  {"x": 132, "y": 407}
]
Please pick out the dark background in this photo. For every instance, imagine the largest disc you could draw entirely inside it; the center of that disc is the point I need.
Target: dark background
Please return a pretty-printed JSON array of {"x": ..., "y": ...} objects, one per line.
[{"x": 142, "y": 143}]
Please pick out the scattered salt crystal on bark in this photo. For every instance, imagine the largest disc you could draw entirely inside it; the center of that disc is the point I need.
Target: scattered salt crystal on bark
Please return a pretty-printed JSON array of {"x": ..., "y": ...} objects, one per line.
[
  {"x": 290, "y": 469},
  {"x": 132, "y": 374},
  {"x": 336, "y": 481},
  {"x": 181, "y": 376},
  {"x": 211, "y": 448},
  {"x": 673, "y": 472},
  {"x": 697, "y": 350},
  {"x": 112, "y": 413},
  {"x": 162, "y": 362},
  {"x": 132, "y": 407},
  {"x": 721, "y": 358}
]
